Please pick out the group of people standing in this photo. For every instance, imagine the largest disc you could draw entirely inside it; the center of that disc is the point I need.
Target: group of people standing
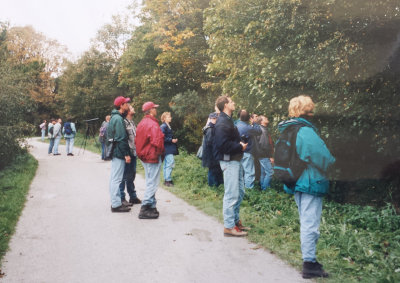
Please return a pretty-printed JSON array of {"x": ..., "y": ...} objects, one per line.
[{"x": 55, "y": 131}]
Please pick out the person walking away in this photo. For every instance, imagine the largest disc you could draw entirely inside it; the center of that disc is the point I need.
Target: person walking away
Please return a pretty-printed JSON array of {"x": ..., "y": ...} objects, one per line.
[
  {"x": 103, "y": 136},
  {"x": 248, "y": 133},
  {"x": 69, "y": 132},
  {"x": 215, "y": 177},
  {"x": 312, "y": 184},
  {"x": 228, "y": 149},
  {"x": 130, "y": 168},
  {"x": 43, "y": 129},
  {"x": 50, "y": 135},
  {"x": 149, "y": 148},
  {"x": 57, "y": 136},
  {"x": 116, "y": 132},
  {"x": 266, "y": 153},
  {"x": 170, "y": 148}
]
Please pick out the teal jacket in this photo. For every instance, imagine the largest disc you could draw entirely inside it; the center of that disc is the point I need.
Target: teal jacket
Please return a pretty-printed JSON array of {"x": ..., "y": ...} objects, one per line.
[
  {"x": 311, "y": 149},
  {"x": 117, "y": 132}
]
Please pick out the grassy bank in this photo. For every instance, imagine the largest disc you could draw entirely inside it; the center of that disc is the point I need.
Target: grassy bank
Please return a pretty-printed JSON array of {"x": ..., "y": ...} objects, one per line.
[{"x": 14, "y": 185}]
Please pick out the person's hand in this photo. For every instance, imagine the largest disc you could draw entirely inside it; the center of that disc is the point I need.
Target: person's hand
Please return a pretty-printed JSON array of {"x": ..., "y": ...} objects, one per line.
[
  {"x": 272, "y": 160},
  {"x": 127, "y": 159},
  {"x": 174, "y": 140},
  {"x": 244, "y": 145}
]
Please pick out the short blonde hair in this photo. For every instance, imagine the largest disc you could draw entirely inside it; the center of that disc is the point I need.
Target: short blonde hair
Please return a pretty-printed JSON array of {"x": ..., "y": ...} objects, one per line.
[
  {"x": 164, "y": 115},
  {"x": 300, "y": 105}
]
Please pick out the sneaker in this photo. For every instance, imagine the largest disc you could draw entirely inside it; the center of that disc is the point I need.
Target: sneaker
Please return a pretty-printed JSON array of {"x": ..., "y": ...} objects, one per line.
[
  {"x": 135, "y": 201},
  {"x": 146, "y": 212},
  {"x": 241, "y": 227},
  {"x": 120, "y": 208},
  {"x": 234, "y": 232},
  {"x": 125, "y": 203},
  {"x": 167, "y": 183},
  {"x": 313, "y": 269},
  {"x": 70, "y": 154},
  {"x": 57, "y": 154},
  {"x": 155, "y": 211}
]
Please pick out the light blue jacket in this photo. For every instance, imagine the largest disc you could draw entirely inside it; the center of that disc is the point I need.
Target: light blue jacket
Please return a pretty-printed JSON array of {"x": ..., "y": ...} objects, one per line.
[
  {"x": 73, "y": 134},
  {"x": 311, "y": 149}
]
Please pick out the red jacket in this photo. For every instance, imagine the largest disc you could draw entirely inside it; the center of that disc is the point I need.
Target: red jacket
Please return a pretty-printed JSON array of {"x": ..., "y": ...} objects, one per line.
[{"x": 149, "y": 140}]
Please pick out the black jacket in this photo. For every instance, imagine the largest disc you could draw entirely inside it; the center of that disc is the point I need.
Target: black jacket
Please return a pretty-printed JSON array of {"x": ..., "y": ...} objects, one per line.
[
  {"x": 170, "y": 147},
  {"x": 227, "y": 140},
  {"x": 208, "y": 159}
]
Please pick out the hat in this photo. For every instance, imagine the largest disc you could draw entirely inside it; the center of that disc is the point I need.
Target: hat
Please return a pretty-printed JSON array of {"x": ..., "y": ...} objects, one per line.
[
  {"x": 213, "y": 115},
  {"x": 121, "y": 100},
  {"x": 148, "y": 105}
]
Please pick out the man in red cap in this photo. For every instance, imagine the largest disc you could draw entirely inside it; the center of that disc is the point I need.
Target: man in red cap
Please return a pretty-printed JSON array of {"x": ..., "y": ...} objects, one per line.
[
  {"x": 149, "y": 148},
  {"x": 116, "y": 134}
]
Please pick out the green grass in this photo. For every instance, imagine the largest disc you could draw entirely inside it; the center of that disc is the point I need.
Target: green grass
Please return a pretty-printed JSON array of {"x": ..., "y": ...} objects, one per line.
[{"x": 14, "y": 185}]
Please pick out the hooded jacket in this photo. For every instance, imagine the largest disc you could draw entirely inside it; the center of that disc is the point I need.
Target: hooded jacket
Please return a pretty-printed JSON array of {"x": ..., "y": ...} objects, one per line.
[
  {"x": 311, "y": 149},
  {"x": 116, "y": 131},
  {"x": 149, "y": 140}
]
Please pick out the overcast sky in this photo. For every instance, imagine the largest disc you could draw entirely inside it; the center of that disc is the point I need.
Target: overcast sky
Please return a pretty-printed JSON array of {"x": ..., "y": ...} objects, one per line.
[{"x": 71, "y": 22}]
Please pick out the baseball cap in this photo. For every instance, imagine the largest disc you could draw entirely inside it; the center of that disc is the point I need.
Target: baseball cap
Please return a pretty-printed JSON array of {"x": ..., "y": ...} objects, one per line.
[
  {"x": 148, "y": 105},
  {"x": 121, "y": 100}
]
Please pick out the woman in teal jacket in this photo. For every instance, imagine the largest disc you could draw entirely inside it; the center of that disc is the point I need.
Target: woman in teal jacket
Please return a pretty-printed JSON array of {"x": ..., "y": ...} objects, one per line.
[{"x": 312, "y": 185}]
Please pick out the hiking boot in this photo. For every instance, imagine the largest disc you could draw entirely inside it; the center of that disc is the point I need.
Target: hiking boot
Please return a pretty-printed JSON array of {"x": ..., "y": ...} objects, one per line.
[
  {"x": 146, "y": 212},
  {"x": 121, "y": 208},
  {"x": 313, "y": 269},
  {"x": 241, "y": 227},
  {"x": 125, "y": 203},
  {"x": 234, "y": 232},
  {"x": 167, "y": 183},
  {"x": 155, "y": 211},
  {"x": 135, "y": 201}
]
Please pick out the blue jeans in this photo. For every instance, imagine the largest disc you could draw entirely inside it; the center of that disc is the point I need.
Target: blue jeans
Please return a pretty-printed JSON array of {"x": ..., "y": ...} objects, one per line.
[
  {"x": 234, "y": 191},
  {"x": 128, "y": 180},
  {"x": 249, "y": 172},
  {"x": 117, "y": 173},
  {"x": 266, "y": 173},
  {"x": 152, "y": 173},
  {"x": 51, "y": 146},
  {"x": 56, "y": 143},
  {"x": 69, "y": 142},
  {"x": 310, "y": 209},
  {"x": 43, "y": 134},
  {"x": 215, "y": 177},
  {"x": 103, "y": 150},
  {"x": 169, "y": 164}
]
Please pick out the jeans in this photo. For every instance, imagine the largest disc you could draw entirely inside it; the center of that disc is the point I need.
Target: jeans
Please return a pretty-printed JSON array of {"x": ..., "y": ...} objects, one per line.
[
  {"x": 43, "y": 134},
  {"x": 248, "y": 167},
  {"x": 103, "y": 150},
  {"x": 215, "y": 177},
  {"x": 169, "y": 164},
  {"x": 69, "y": 142},
  {"x": 51, "y": 146},
  {"x": 117, "y": 173},
  {"x": 266, "y": 173},
  {"x": 234, "y": 191},
  {"x": 152, "y": 174},
  {"x": 128, "y": 179},
  {"x": 310, "y": 209},
  {"x": 56, "y": 143}
]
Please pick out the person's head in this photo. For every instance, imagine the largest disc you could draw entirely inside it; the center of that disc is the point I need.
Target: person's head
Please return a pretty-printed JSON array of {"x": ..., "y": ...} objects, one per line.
[
  {"x": 53, "y": 121},
  {"x": 244, "y": 115},
  {"x": 213, "y": 117},
  {"x": 301, "y": 105},
  {"x": 131, "y": 112},
  {"x": 149, "y": 108},
  {"x": 108, "y": 117},
  {"x": 166, "y": 117},
  {"x": 121, "y": 104},
  {"x": 262, "y": 120},
  {"x": 59, "y": 120},
  {"x": 225, "y": 104},
  {"x": 44, "y": 121},
  {"x": 253, "y": 118}
]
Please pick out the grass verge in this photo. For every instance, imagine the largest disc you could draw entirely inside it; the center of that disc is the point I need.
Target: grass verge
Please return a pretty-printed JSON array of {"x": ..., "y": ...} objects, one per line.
[{"x": 14, "y": 185}]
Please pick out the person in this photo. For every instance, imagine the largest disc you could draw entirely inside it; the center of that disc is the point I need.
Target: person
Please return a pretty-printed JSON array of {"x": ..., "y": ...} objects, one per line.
[
  {"x": 266, "y": 153},
  {"x": 170, "y": 148},
  {"x": 257, "y": 171},
  {"x": 215, "y": 177},
  {"x": 103, "y": 136},
  {"x": 130, "y": 168},
  {"x": 43, "y": 129},
  {"x": 228, "y": 149},
  {"x": 50, "y": 135},
  {"x": 312, "y": 184},
  {"x": 57, "y": 136},
  {"x": 248, "y": 133},
  {"x": 149, "y": 148},
  {"x": 116, "y": 132},
  {"x": 69, "y": 132}
]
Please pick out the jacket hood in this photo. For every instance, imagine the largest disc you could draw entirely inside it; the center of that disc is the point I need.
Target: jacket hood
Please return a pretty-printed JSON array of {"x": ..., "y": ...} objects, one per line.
[
  {"x": 295, "y": 121},
  {"x": 115, "y": 112}
]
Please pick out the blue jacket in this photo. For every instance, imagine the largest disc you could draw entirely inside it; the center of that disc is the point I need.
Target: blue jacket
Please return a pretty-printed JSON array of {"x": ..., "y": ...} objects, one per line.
[
  {"x": 227, "y": 145},
  {"x": 250, "y": 132},
  {"x": 311, "y": 149},
  {"x": 170, "y": 147}
]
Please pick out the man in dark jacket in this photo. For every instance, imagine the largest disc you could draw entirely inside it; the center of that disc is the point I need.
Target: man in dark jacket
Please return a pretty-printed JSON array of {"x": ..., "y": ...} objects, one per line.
[
  {"x": 117, "y": 134},
  {"x": 266, "y": 153},
  {"x": 228, "y": 149},
  {"x": 149, "y": 148}
]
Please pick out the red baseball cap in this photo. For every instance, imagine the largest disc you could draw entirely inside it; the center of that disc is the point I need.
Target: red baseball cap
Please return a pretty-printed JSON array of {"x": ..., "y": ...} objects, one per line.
[
  {"x": 121, "y": 100},
  {"x": 148, "y": 105}
]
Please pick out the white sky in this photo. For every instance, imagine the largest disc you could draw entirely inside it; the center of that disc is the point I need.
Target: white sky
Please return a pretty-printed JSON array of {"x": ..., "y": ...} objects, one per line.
[{"x": 71, "y": 22}]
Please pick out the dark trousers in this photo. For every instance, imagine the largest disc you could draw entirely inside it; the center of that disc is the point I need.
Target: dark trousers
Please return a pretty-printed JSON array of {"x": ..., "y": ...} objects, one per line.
[
  {"x": 128, "y": 180},
  {"x": 215, "y": 176}
]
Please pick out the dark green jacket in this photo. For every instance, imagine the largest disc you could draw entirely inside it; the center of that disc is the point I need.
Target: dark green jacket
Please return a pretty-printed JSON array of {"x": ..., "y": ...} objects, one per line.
[{"x": 116, "y": 131}]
